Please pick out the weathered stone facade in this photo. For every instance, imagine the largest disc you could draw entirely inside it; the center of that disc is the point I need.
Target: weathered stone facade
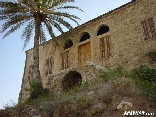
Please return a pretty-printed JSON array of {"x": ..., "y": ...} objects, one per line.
[{"x": 122, "y": 41}]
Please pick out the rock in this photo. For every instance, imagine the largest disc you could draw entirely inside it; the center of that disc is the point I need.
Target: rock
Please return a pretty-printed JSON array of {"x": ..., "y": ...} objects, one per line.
[
  {"x": 90, "y": 93},
  {"x": 32, "y": 112},
  {"x": 124, "y": 105}
]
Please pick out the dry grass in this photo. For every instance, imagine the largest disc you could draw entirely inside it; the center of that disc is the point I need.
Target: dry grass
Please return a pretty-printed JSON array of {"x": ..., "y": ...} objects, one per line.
[{"x": 125, "y": 87}]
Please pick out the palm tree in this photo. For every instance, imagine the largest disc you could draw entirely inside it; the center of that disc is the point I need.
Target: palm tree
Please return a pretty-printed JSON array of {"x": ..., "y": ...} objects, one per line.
[{"x": 36, "y": 14}]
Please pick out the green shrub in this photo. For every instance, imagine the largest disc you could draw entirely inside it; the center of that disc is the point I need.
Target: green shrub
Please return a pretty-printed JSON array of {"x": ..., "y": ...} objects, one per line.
[
  {"x": 48, "y": 108},
  {"x": 144, "y": 72},
  {"x": 112, "y": 74},
  {"x": 36, "y": 90},
  {"x": 145, "y": 78},
  {"x": 95, "y": 112},
  {"x": 148, "y": 89},
  {"x": 80, "y": 105},
  {"x": 152, "y": 56}
]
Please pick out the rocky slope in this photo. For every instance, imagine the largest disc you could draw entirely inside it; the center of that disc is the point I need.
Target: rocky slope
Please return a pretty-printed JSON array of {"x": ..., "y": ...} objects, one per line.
[{"x": 111, "y": 99}]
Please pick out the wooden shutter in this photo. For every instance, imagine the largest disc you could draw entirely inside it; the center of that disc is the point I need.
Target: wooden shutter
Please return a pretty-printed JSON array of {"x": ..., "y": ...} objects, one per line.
[
  {"x": 50, "y": 65},
  {"x": 46, "y": 67},
  {"x": 84, "y": 53},
  {"x": 62, "y": 63},
  {"x": 105, "y": 47},
  {"x": 102, "y": 47},
  {"x": 145, "y": 30},
  {"x": 149, "y": 31},
  {"x": 108, "y": 46},
  {"x": 152, "y": 27},
  {"x": 65, "y": 60}
]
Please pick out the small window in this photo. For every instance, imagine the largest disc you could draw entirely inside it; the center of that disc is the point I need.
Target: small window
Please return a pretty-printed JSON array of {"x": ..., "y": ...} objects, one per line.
[
  {"x": 149, "y": 30},
  {"x": 68, "y": 44},
  {"x": 65, "y": 60},
  {"x": 105, "y": 47},
  {"x": 84, "y": 37},
  {"x": 49, "y": 66},
  {"x": 102, "y": 30}
]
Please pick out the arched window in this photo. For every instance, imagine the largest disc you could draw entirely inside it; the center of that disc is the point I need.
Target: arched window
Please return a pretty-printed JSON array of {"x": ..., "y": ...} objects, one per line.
[
  {"x": 102, "y": 30},
  {"x": 68, "y": 44},
  {"x": 84, "y": 37}
]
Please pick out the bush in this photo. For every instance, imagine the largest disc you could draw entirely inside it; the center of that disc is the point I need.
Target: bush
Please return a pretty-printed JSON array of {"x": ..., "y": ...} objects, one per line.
[
  {"x": 148, "y": 89},
  {"x": 125, "y": 87},
  {"x": 144, "y": 72},
  {"x": 36, "y": 90},
  {"x": 111, "y": 74},
  {"x": 152, "y": 56},
  {"x": 145, "y": 77}
]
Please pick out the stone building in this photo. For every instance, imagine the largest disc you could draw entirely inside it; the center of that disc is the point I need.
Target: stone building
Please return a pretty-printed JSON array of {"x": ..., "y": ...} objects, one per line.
[{"x": 120, "y": 37}]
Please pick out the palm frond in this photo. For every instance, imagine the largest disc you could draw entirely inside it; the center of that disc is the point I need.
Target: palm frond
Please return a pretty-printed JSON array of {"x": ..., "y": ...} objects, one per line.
[
  {"x": 58, "y": 27},
  {"x": 9, "y": 7},
  {"x": 14, "y": 11},
  {"x": 13, "y": 29},
  {"x": 57, "y": 3},
  {"x": 69, "y": 7},
  {"x": 63, "y": 22},
  {"x": 3, "y": 17},
  {"x": 27, "y": 33},
  {"x": 49, "y": 28},
  {"x": 66, "y": 15},
  {"x": 8, "y": 4},
  {"x": 56, "y": 24},
  {"x": 14, "y": 21}
]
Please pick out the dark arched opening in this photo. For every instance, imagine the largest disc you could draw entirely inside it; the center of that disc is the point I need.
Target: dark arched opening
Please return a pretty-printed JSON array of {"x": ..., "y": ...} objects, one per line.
[
  {"x": 102, "y": 30},
  {"x": 71, "y": 80},
  {"x": 68, "y": 44},
  {"x": 85, "y": 36}
]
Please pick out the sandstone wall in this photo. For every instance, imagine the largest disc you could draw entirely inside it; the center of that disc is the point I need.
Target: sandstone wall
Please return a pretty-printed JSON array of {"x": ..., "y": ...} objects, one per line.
[{"x": 127, "y": 45}]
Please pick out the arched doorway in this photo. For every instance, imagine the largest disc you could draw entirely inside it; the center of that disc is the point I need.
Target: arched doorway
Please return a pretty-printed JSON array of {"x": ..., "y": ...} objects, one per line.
[{"x": 71, "y": 79}]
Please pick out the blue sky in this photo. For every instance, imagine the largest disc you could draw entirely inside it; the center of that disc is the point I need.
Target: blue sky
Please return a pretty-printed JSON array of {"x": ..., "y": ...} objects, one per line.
[{"x": 12, "y": 58}]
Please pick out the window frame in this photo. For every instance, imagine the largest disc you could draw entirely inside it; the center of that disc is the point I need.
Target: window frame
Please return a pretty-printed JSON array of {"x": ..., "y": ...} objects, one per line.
[
  {"x": 148, "y": 29},
  {"x": 105, "y": 52},
  {"x": 65, "y": 61},
  {"x": 49, "y": 66}
]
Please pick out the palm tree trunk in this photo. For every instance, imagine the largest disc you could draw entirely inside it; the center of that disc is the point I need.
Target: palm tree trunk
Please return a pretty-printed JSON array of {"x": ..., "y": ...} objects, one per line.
[{"x": 36, "y": 49}]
